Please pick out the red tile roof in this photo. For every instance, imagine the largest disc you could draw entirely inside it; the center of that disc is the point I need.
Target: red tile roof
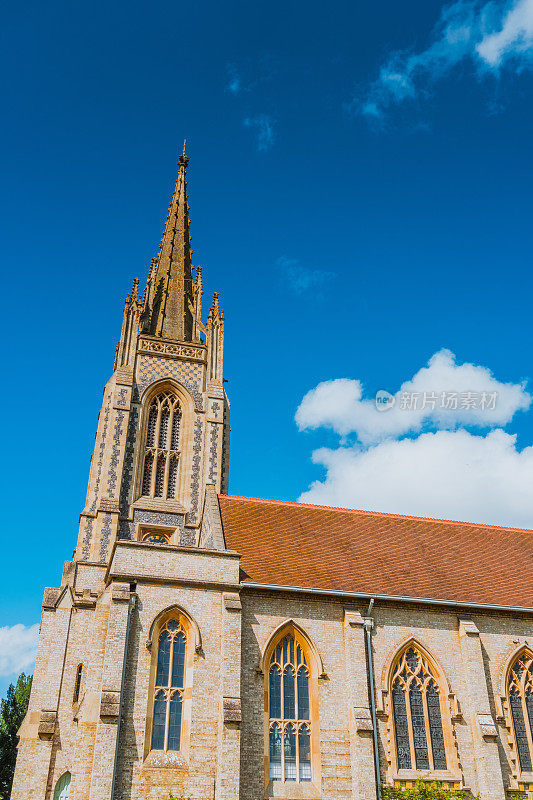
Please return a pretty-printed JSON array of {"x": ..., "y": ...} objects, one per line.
[{"x": 292, "y": 544}]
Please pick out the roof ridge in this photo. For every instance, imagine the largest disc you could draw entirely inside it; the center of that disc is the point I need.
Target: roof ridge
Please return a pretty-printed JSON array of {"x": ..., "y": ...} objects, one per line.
[{"x": 376, "y": 513}]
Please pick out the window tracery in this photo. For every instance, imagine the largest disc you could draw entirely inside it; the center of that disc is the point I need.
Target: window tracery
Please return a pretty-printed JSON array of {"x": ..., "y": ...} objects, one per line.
[
  {"x": 162, "y": 447},
  {"x": 520, "y": 693},
  {"x": 289, "y": 727},
  {"x": 417, "y": 713},
  {"x": 169, "y": 687}
]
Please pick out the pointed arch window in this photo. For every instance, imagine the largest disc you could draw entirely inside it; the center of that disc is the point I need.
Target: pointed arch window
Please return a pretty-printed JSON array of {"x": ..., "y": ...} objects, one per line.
[
  {"x": 169, "y": 687},
  {"x": 290, "y": 690},
  {"x": 62, "y": 788},
  {"x": 520, "y": 695},
  {"x": 162, "y": 447},
  {"x": 417, "y": 710}
]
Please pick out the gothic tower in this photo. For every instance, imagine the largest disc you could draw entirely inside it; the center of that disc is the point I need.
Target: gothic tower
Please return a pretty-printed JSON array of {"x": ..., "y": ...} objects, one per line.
[
  {"x": 143, "y": 568},
  {"x": 163, "y": 430}
]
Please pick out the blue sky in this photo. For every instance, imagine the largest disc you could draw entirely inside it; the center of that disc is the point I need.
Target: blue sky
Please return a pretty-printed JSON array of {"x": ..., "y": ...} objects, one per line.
[{"x": 360, "y": 187}]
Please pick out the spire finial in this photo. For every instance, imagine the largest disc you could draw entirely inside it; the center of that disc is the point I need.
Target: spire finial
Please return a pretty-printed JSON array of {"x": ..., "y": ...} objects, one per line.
[{"x": 183, "y": 160}]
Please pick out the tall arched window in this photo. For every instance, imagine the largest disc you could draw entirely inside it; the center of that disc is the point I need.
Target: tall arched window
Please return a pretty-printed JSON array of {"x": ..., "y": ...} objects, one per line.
[
  {"x": 418, "y": 708},
  {"x": 520, "y": 694},
  {"x": 162, "y": 447},
  {"x": 169, "y": 687},
  {"x": 290, "y": 691}
]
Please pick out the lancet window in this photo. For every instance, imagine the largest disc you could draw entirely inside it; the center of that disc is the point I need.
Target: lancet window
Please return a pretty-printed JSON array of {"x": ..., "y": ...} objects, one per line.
[
  {"x": 169, "y": 687},
  {"x": 520, "y": 695},
  {"x": 289, "y": 712},
  {"x": 77, "y": 684},
  {"x": 162, "y": 447},
  {"x": 418, "y": 707}
]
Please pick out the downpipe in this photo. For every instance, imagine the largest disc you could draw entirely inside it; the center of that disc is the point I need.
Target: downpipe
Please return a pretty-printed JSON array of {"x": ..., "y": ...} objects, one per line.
[
  {"x": 131, "y": 608},
  {"x": 369, "y": 624}
]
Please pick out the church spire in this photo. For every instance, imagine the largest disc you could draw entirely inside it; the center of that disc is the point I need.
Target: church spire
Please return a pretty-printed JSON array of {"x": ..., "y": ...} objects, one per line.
[{"x": 169, "y": 295}]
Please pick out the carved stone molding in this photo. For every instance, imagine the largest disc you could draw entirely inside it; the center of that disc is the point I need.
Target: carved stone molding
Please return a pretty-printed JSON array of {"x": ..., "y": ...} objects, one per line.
[
  {"x": 487, "y": 726},
  {"x": 50, "y": 598},
  {"x": 232, "y": 601},
  {"x": 120, "y": 592},
  {"x": 47, "y": 724},
  {"x": 109, "y": 704},
  {"x": 109, "y": 506},
  {"x": 171, "y": 350},
  {"x": 362, "y": 719},
  {"x": 231, "y": 709}
]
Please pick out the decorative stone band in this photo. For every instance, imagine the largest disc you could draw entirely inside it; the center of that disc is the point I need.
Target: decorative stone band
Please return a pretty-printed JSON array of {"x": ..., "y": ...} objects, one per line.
[
  {"x": 47, "y": 724},
  {"x": 159, "y": 504},
  {"x": 231, "y": 709},
  {"x": 170, "y": 350}
]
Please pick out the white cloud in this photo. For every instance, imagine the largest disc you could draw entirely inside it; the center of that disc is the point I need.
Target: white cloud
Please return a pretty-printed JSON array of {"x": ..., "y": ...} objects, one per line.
[
  {"x": 300, "y": 278},
  {"x": 450, "y": 475},
  {"x": 264, "y": 125},
  {"x": 424, "y": 462},
  {"x": 514, "y": 39},
  {"x": 18, "y": 648},
  {"x": 339, "y": 403},
  {"x": 488, "y": 34}
]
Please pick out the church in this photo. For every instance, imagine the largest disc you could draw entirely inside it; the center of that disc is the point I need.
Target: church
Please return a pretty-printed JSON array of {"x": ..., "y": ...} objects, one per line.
[{"x": 217, "y": 647}]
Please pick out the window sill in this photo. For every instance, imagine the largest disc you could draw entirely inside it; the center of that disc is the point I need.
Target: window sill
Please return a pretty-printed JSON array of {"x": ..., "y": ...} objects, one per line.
[
  {"x": 292, "y": 790},
  {"x": 443, "y": 775},
  {"x": 524, "y": 779},
  {"x": 159, "y": 504},
  {"x": 161, "y": 759}
]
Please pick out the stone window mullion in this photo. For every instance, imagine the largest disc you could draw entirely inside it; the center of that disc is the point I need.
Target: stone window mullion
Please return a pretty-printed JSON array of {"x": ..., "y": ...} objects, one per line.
[
  {"x": 527, "y": 723},
  {"x": 167, "y": 470},
  {"x": 412, "y": 749},
  {"x": 154, "y": 472},
  {"x": 428, "y": 728}
]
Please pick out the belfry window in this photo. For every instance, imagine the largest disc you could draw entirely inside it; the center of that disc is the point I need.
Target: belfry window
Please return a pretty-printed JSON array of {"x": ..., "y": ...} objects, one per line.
[
  {"x": 289, "y": 727},
  {"x": 162, "y": 447},
  {"x": 417, "y": 711},
  {"x": 520, "y": 693},
  {"x": 169, "y": 687}
]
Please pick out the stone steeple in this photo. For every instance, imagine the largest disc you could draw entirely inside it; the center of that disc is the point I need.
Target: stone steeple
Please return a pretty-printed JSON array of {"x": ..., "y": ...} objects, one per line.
[
  {"x": 165, "y": 351},
  {"x": 169, "y": 310}
]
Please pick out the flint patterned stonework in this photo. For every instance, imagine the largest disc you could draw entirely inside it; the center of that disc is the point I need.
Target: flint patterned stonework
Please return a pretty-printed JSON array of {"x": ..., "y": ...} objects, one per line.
[{"x": 239, "y": 649}]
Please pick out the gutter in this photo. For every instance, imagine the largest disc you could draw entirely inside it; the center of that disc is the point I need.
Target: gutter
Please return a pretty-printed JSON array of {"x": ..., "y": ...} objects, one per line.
[
  {"x": 131, "y": 608},
  {"x": 369, "y": 624},
  {"x": 387, "y": 597}
]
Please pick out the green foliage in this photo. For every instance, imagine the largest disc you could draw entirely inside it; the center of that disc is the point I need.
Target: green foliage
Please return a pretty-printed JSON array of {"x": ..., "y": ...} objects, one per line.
[
  {"x": 12, "y": 712},
  {"x": 424, "y": 790},
  {"x": 173, "y": 797}
]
